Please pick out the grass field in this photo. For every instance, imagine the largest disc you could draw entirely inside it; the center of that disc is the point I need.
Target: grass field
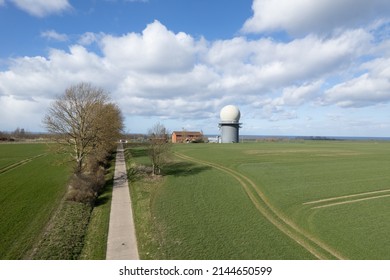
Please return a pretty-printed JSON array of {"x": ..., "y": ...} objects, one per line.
[
  {"x": 31, "y": 186},
  {"x": 279, "y": 200}
]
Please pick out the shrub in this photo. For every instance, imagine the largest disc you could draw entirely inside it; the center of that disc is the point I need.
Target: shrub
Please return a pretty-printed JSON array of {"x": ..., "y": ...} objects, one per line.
[
  {"x": 85, "y": 187},
  {"x": 81, "y": 189}
]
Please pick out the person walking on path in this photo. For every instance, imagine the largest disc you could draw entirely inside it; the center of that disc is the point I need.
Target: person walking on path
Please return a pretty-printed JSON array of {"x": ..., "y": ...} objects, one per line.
[{"x": 121, "y": 242}]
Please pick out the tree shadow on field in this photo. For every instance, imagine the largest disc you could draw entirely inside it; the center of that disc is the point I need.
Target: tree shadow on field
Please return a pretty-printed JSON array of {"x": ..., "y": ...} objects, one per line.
[
  {"x": 180, "y": 169},
  {"x": 139, "y": 152}
]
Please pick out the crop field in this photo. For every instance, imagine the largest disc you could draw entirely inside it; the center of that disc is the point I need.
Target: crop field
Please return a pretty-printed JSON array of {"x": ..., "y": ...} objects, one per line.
[
  {"x": 275, "y": 200},
  {"x": 31, "y": 185}
]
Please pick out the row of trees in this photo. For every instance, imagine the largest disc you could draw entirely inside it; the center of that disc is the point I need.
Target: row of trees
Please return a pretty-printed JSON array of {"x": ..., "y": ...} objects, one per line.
[
  {"x": 18, "y": 134},
  {"x": 86, "y": 125}
]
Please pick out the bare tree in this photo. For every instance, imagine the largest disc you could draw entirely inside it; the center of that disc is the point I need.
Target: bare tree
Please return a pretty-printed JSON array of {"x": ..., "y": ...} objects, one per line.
[
  {"x": 83, "y": 121},
  {"x": 159, "y": 147}
]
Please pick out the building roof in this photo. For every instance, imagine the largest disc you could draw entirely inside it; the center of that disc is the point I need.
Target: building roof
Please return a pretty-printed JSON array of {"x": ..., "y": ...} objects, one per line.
[{"x": 187, "y": 133}]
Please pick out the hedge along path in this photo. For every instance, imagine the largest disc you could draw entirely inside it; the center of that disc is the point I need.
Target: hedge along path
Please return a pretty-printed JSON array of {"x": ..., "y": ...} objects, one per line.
[
  {"x": 121, "y": 240},
  {"x": 317, "y": 248}
]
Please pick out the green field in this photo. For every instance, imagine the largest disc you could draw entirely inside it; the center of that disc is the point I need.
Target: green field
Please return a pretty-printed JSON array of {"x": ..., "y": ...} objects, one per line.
[
  {"x": 32, "y": 183},
  {"x": 270, "y": 200}
]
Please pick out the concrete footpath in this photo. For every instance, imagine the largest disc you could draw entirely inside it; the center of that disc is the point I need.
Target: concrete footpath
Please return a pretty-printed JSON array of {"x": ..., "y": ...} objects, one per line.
[{"x": 122, "y": 242}]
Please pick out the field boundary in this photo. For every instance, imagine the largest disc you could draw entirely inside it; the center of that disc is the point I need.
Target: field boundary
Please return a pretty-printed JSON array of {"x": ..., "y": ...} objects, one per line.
[
  {"x": 347, "y": 199},
  {"x": 260, "y": 201},
  {"x": 20, "y": 163}
]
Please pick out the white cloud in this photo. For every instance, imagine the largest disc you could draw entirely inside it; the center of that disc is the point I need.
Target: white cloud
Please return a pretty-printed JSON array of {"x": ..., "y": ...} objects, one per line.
[
  {"x": 172, "y": 75},
  {"x": 25, "y": 114},
  {"x": 42, "y": 8},
  {"x": 305, "y": 16},
  {"x": 368, "y": 89},
  {"x": 155, "y": 50},
  {"x": 31, "y": 77},
  {"x": 2, "y": 2},
  {"x": 262, "y": 65},
  {"x": 89, "y": 38},
  {"x": 298, "y": 95},
  {"x": 53, "y": 35}
]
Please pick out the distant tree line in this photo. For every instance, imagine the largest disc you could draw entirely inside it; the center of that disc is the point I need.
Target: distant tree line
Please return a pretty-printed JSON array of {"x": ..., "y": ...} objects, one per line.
[{"x": 20, "y": 134}]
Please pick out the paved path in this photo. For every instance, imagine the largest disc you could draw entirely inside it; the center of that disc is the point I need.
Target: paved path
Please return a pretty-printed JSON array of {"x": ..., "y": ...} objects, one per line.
[{"x": 122, "y": 242}]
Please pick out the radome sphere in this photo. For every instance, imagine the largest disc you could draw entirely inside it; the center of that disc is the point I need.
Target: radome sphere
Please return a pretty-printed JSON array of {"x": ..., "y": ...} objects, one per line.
[{"x": 230, "y": 113}]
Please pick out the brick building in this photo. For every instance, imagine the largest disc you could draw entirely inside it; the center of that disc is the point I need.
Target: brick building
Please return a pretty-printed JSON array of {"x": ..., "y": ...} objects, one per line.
[{"x": 186, "y": 136}]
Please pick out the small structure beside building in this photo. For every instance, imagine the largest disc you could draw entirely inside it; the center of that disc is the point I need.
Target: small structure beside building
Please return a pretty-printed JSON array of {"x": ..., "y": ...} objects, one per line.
[
  {"x": 216, "y": 139},
  {"x": 187, "y": 136}
]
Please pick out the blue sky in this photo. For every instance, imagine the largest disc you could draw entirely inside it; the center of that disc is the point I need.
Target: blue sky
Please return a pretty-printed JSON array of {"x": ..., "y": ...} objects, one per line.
[
  {"x": 293, "y": 67},
  {"x": 198, "y": 18}
]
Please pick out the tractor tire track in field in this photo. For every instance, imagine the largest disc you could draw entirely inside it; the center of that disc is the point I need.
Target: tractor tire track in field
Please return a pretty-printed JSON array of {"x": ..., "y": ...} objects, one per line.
[
  {"x": 347, "y": 199},
  {"x": 19, "y": 163},
  {"x": 260, "y": 201}
]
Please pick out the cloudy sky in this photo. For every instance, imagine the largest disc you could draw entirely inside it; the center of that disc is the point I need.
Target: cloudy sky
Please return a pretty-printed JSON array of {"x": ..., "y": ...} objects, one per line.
[{"x": 293, "y": 67}]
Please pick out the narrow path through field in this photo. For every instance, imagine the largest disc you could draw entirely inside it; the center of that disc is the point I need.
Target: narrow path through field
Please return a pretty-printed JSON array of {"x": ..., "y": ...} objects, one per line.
[
  {"x": 121, "y": 242},
  {"x": 260, "y": 201}
]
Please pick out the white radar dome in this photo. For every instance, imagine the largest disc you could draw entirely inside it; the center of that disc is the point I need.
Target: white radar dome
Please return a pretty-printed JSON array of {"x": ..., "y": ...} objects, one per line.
[{"x": 230, "y": 113}]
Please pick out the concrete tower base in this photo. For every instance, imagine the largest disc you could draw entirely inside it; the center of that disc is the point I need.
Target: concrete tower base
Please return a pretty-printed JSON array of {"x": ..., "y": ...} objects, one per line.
[{"x": 229, "y": 132}]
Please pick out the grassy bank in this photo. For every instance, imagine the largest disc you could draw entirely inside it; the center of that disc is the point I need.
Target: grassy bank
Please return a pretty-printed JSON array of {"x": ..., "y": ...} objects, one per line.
[
  {"x": 64, "y": 238},
  {"x": 95, "y": 242},
  {"x": 143, "y": 188}
]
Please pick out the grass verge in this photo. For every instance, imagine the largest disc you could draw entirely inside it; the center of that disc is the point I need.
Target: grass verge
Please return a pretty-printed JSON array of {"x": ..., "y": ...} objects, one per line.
[
  {"x": 64, "y": 237},
  {"x": 143, "y": 188},
  {"x": 95, "y": 242}
]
